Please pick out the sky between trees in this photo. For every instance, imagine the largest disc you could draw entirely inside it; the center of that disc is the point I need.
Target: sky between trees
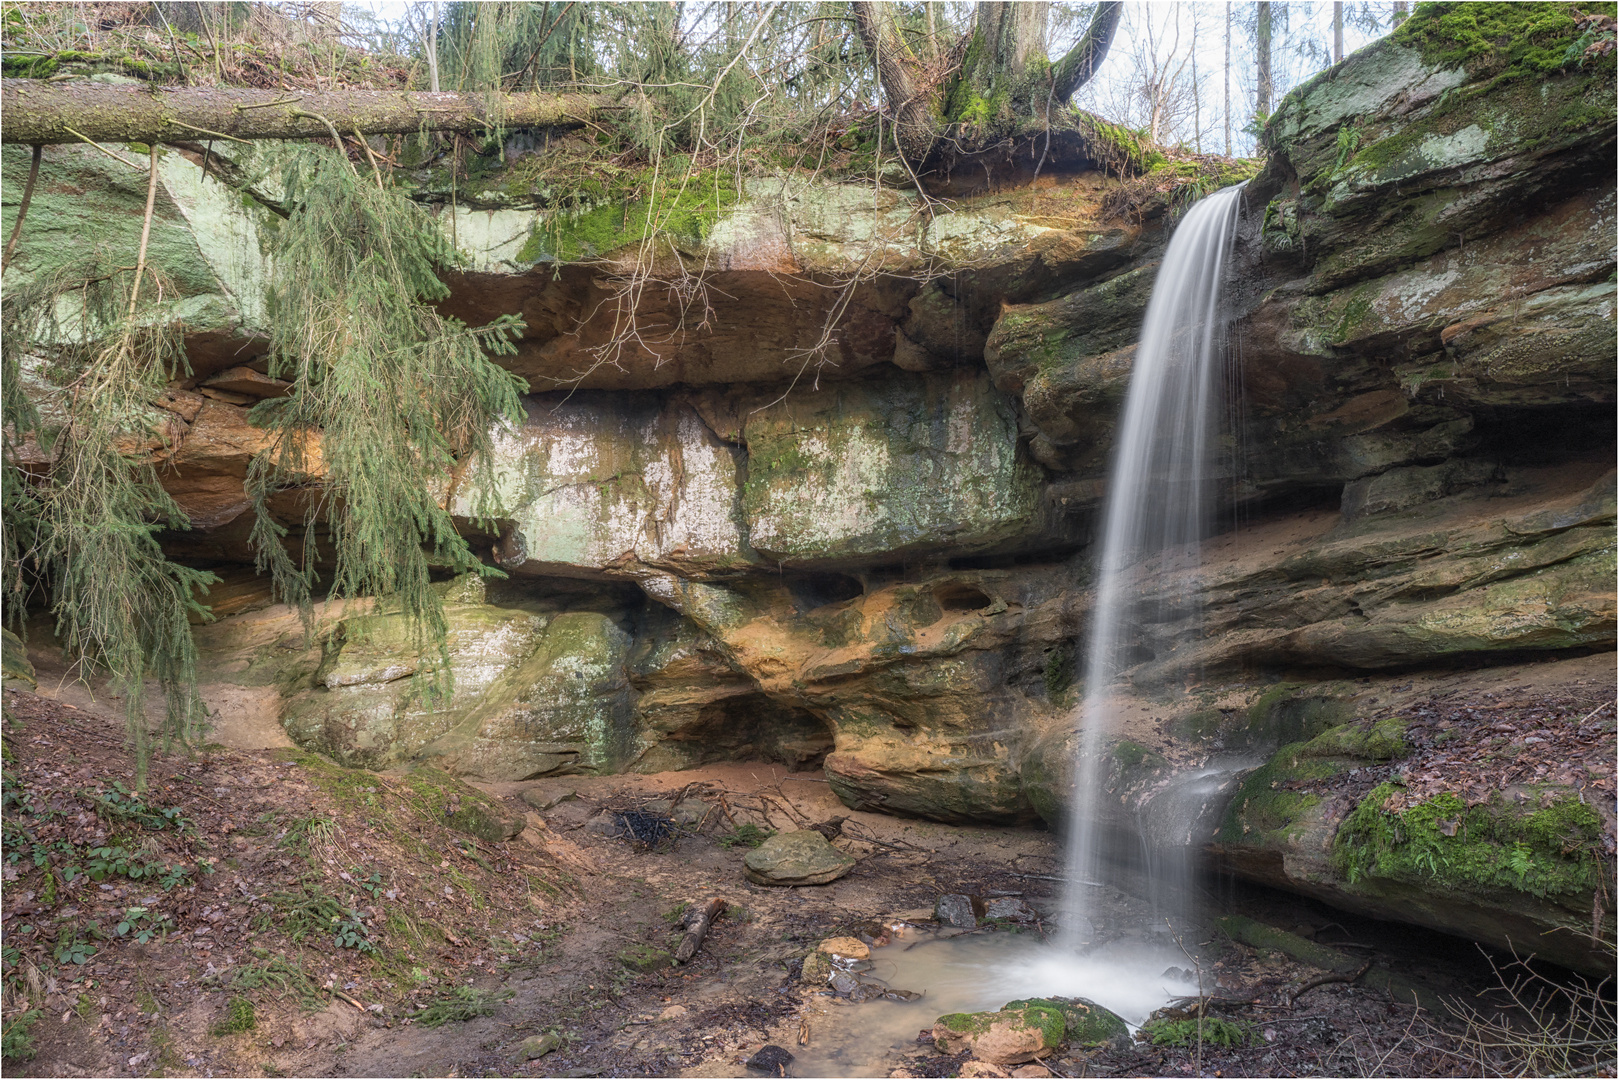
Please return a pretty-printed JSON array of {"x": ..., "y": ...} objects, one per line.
[{"x": 1194, "y": 55}]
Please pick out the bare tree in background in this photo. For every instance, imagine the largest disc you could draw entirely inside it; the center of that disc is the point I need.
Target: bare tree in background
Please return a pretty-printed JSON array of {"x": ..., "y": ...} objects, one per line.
[
  {"x": 1227, "y": 111},
  {"x": 1337, "y": 31},
  {"x": 1262, "y": 38}
]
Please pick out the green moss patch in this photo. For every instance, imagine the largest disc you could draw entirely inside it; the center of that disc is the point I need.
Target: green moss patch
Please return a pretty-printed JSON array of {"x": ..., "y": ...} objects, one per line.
[
  {"x": 1510, "y": 39},
  {"x": 1556, "y": 850},
  {"x": 644, "y": 958},
  {"x": 1085, "y": 1023},
  {"x": 675, "y": 211}
]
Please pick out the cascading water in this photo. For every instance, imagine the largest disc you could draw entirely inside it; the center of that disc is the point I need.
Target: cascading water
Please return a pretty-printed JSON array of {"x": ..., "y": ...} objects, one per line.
[{"x": 1157, "y": 509}]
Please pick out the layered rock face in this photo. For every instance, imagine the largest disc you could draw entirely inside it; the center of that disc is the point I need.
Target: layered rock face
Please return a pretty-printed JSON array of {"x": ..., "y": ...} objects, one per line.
[{"x": 847, "y": 521}]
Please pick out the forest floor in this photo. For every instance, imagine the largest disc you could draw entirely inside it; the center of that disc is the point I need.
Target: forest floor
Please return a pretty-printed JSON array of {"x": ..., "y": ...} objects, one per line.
[{"x": 258, "y": 911}]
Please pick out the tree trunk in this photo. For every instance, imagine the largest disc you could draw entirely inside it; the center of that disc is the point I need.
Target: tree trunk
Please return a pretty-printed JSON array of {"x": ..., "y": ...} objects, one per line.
[
  {"x": 42, "y": 113},
  {"x": 1400, "y": 11},
  {"x": 1009, "y": 36},
  {"x": 1262, "y": 36},
  {"x": 1001, "y": 72},
  {"x": 1076, "y": 68},
  {"x": 1337, "y": 31},
  {"x": 432, "y": 50}
]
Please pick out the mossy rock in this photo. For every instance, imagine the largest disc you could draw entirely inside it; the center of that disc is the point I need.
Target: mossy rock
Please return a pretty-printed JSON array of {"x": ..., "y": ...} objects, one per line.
[
  {"x": 1502, "y": 845},
  {"x": 817, "y": 969},
  {"x": 1085, "y": 1022},
  {"x": 462, "y": 807},
  {"x": 14, "y": 665},
  {"x": 1017, "y": 1033},
  {"x": 645, "y": 958}
]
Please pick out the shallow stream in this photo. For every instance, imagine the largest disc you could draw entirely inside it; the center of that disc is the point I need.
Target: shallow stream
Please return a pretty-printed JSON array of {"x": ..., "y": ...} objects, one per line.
[{"x": 973, "y": 972}]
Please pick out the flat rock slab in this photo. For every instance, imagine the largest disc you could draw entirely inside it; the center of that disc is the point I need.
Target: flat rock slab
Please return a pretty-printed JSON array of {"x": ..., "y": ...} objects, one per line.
[{"x": 796, "y": 858}]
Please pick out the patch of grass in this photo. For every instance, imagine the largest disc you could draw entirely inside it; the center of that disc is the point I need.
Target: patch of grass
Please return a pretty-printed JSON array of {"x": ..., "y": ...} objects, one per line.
[
  {"x": 305, "y": 834},
  {"x": 1215, "y": 1031},
  {"x": 309, "y": 910},
  {"x": 459, "y": 1005},
  {"x": 279, "y": 975},
  {"x": 747, "y": 835},
  {"x": 238, "y": 1018}
]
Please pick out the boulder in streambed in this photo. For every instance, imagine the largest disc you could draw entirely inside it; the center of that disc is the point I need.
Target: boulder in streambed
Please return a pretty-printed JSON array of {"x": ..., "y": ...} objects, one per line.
[
  {"x": 796, "y": 858},
  {"x": 955, "y": 909},
  {"x": 1018, "y": 1033},
  {"x": 1085, "y": 1022}
]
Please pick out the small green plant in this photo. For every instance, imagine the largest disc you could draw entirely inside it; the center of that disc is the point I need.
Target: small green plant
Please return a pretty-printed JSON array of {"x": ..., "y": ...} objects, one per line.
[
  {"x": 1211, "y": 1031},
  {"x": 349, "y": 932},
  {"x": 143, "y": 925},
  {"x": 372, "y": 885},
  {"x": 119, "y": 803},
  {"x": 15, "y": 1043},
  {"x": 73, "y": 948},
  {"x": 238, "y": 1018},
  {"x": 461, "y": 1004},
  {"x": 747, "y": 835}
]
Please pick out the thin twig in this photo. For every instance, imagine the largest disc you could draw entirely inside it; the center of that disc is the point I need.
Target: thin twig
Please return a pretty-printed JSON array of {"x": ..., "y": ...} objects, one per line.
[
  {"x": 22, "y": 209},
  {"x": 205, "y": 131},
  {"x": 98, "y": 146}
]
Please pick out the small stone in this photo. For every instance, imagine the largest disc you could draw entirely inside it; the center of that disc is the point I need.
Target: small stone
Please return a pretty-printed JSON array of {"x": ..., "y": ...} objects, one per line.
[
  {"x": 796, "y": 858},
  {"x": 537, "y": 1046},
  {"x": 845, "y": 984},
  {"x": 853, "y": 948},
  {"x": 1031, "y": 1070},
  {"x": 983, "y": 1068},
  {"x": 545, "y": 798},
  {"x": 954, "y": 909},
  {"x": 817, "y": 968},
  {"x": 771, "y": 1060},
  {"x": 673, "y": 1012},
  {"x": 1009, "y": 908}
]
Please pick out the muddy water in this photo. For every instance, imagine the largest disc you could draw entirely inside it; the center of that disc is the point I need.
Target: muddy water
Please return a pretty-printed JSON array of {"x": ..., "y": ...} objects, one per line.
[{"x": 972, "y": 973}]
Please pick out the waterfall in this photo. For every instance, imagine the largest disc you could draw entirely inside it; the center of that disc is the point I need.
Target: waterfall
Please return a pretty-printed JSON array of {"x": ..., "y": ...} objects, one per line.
[{"x": 1156, "y": 509}]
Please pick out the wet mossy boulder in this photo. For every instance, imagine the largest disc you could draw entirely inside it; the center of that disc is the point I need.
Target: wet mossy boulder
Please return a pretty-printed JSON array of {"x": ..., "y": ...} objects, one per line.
[
  {"x": 1085, "y": 1023},
  {"x": 1018, "y": 1033},
  {"x": 1518, "y": 868}
]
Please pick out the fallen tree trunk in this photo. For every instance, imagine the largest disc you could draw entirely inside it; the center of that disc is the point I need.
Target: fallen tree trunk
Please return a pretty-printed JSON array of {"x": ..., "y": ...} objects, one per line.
[
  {"x": 41, "y": 113},
  {"x": 696, "y": 923}
]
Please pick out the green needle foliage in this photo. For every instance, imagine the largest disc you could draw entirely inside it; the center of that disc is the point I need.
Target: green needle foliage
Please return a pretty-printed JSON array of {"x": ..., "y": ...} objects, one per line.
[
  {"x": 81, "y": 522},
  {"x": 389, "y": 397}
]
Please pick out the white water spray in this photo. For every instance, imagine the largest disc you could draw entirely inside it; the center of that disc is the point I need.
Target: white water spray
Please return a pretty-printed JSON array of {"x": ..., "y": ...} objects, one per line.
[{"x": 1156, "y": 506}]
